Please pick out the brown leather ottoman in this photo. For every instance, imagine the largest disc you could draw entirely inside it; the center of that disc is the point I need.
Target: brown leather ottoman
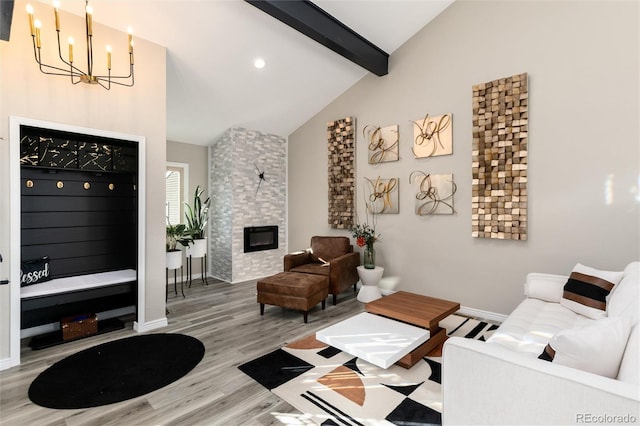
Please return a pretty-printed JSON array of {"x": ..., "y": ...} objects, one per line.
[{"x": 293, "y": 290}]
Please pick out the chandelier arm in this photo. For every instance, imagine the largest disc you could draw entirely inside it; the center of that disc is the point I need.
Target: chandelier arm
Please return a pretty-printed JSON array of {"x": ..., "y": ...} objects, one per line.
[
  {"x": 100, "y": 80},
  {"x": 69, "y": 64},
  {"x": 90, "y": 55},
  {"x": 44, "y": 68},
  {"x": 112, "y": 77}
]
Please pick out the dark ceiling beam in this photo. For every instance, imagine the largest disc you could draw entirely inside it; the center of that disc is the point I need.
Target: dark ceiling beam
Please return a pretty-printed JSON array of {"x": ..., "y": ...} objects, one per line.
[
  {"x": 317, "y": 24},
  {"x": 6, "y": 12}
]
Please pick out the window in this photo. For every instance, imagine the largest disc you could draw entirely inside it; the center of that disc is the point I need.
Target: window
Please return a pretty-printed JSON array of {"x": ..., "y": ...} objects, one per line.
[{"x": 176, "y": 184}]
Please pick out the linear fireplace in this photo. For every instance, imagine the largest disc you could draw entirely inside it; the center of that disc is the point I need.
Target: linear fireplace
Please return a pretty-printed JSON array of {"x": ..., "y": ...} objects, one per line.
[{"x": 258, "y": 238}]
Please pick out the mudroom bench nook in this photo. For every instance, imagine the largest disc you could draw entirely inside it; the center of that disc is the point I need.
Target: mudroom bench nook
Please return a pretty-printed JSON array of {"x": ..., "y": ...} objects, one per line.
[{"x": 78, "y": 210}]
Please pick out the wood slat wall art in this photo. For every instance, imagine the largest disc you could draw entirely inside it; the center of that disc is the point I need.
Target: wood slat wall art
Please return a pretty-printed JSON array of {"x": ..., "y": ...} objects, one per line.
[
  {"x": 500, "y": 159},
  {"x": 341, "y": 179}
]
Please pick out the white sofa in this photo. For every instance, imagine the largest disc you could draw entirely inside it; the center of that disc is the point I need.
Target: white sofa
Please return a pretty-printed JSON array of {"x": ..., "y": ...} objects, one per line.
[{"x": 502, "y": 381}]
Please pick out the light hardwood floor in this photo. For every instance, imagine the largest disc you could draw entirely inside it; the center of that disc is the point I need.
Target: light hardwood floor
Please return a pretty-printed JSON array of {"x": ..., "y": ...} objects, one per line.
[{"x": 226, "y": 318}]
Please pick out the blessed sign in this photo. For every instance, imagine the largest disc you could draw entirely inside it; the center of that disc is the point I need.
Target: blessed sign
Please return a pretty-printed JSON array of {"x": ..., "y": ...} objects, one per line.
[{"x": 34, "y": 271}]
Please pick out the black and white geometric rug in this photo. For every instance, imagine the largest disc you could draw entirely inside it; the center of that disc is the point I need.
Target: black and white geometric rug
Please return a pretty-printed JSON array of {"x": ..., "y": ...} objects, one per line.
[{"x": 332, "y": 387}]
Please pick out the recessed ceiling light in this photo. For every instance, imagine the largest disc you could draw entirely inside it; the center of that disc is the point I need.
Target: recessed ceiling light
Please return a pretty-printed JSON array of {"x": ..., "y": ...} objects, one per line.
[{"x": 259, "y": 63}]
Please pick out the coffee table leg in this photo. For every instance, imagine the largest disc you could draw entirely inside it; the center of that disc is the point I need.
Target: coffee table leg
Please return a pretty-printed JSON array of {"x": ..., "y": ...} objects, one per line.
[{"x": 421, "y": 351}]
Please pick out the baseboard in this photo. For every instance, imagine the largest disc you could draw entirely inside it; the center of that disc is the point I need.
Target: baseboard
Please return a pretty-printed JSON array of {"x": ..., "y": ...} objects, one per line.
[
  {"x": 477, "y": 313},
  {"x": 151, "y": 325},
  {"x": 7, "y": 363}
]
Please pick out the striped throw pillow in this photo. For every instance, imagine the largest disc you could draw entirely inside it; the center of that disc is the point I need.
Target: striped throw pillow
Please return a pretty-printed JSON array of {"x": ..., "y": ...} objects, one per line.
[{"x": 586, "y": 290}]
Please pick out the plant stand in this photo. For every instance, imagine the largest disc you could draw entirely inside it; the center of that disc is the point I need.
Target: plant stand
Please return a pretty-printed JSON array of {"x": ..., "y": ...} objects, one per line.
[
  {"x": 203, "y": 268},
  {"x": 175, "y": 282}
]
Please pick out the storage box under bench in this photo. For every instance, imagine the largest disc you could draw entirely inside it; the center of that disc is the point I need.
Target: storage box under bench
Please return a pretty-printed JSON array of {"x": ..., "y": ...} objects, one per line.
[{"x": 77, "y": 326}]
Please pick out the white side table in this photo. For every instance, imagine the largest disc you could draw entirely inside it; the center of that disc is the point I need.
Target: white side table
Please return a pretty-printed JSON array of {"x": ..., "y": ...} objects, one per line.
[{"x": 369, "y": 278}]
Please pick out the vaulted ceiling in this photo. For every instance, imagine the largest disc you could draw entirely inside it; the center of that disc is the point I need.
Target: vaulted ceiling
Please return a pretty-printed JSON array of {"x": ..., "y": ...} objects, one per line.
[{"x": 212, "y": 84}]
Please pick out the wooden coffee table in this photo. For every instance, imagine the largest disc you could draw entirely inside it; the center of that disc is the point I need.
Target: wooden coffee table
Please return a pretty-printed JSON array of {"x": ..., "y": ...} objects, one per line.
[{"x": 418, "y": 310}]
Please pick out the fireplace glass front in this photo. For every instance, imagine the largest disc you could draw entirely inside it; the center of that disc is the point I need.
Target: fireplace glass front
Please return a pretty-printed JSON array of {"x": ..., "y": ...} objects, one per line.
[{"x": 258, "y": 238}]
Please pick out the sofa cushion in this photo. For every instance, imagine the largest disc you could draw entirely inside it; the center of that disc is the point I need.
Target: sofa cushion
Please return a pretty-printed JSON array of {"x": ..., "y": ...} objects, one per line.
[
  {"x": 587, "y": 289},
  {"x": 596, "y": 347},
  {"x": 532, "y": 324},
  {"x": 630, "y": 365},
  {"x": 624, "y": 299}
]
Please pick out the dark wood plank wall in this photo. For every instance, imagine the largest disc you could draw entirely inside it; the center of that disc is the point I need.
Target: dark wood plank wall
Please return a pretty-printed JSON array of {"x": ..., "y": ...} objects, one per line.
[{"x": 82, "y": 230}]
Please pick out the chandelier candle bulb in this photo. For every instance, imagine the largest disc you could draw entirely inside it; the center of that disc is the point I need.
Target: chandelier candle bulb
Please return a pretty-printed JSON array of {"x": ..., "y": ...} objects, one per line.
[
  {"x": 89, "y": 20},
  {"x": 38, "y": 24},
  {"x": 71, "y": 49},
  {"x": 108, "y": 57},
  {"x": 56, "y": 5},
  {"x": 130, "y": 31},
  {"x": 30, "y": 13}
]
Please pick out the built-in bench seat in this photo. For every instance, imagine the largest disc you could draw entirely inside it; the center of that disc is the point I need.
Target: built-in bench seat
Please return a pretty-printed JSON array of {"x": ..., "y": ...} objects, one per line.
[
  {"x": 49, "y": 301},
  {"x": 77, "y": 283}
]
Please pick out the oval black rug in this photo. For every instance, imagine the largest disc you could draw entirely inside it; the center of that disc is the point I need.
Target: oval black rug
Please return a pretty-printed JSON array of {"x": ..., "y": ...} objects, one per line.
[{"x": 116, "y": 371}]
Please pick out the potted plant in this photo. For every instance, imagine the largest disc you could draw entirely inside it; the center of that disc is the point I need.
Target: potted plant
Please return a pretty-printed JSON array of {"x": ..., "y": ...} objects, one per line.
[
  {"x": 197, "y": 216},
  {"x": 176, "y": 234}
]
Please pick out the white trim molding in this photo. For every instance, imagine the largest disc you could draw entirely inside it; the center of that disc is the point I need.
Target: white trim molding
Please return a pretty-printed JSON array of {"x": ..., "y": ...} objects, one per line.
[
  {"x": 14, "y": 221},
  {"x": 151, "y": 325}
]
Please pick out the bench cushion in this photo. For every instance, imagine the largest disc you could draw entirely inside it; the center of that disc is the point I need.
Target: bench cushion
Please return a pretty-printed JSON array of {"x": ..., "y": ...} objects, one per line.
[{"x": 78, "y": 282}]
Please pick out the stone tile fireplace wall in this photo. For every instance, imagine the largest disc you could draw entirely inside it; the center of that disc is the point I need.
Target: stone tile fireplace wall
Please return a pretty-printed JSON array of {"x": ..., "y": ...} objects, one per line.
[{"x": 233, "y": 182}]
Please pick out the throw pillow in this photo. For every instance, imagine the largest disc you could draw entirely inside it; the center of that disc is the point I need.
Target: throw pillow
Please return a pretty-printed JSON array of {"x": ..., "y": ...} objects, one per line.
[
  {"x": 596, "y": 347},
  {"x": 586, "y": 290},
  {"x": 34, "y": 271}
]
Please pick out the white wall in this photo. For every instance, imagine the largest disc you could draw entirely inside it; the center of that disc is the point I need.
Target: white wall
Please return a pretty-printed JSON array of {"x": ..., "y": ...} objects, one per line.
[
  {"x": 140, "y": 110},
  {"x": 582, "y": 59}
]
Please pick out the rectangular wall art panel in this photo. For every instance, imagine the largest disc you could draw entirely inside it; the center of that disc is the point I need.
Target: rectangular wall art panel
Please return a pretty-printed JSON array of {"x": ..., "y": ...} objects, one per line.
[
  {"x": 383, "y": 143},
  {"x": 383, "y": 195},
  {"x": 433, "y": 136},
  {"x": 341, "y": 179},
  {"x": 434, "y": 193},
  {"x": 500, "y": 159}
]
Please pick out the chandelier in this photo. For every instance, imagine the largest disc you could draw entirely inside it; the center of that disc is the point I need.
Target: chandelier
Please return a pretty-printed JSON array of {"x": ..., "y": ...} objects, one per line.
[{"x": 76, "y": 74}]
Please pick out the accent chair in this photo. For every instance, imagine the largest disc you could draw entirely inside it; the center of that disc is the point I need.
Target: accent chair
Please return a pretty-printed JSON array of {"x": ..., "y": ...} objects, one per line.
[{"x": 329, "y": 256}]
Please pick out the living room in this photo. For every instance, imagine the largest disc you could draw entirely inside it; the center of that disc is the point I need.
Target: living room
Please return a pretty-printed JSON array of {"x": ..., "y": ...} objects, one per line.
[{"x": 583, "y": 198}]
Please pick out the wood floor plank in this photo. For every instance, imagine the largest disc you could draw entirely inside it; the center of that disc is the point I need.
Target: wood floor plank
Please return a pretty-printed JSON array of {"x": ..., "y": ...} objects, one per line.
[{"x": 226, "y": 318}]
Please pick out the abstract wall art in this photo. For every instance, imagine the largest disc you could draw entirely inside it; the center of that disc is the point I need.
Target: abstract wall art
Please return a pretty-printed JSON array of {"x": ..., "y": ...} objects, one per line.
[
  {"x": 382, "y": 195},
  {"x": 434, "y": 193},
  {"x": 341, "y": 172},
  {"x": 433, "y": 136},
  {"x": 500, "y": 159},
  {"x": 383, "y": 143}
]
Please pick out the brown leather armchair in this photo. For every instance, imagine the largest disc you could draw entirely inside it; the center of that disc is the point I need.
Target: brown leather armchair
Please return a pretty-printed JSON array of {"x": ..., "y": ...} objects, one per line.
[{"x": 341, "y": 264}]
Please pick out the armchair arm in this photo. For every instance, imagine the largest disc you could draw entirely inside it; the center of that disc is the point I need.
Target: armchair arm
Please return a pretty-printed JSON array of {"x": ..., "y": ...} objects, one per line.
[
  {"x": 292, "y": 260},
  {"x": 484, "y": 383},
  {"x": 343, "y": 271}
]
